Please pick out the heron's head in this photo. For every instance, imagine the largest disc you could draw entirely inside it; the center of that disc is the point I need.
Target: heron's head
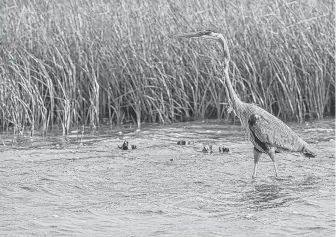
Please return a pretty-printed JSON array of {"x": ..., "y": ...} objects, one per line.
[{"x": 205, "y": 34}]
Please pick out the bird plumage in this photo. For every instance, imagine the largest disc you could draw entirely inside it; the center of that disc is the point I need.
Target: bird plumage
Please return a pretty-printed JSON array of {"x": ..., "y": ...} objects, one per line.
[{"x": 267, "y": 133}]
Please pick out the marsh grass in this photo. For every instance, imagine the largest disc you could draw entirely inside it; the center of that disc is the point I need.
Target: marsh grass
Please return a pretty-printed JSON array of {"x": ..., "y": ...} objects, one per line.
[{"x": 69, "y": 63}]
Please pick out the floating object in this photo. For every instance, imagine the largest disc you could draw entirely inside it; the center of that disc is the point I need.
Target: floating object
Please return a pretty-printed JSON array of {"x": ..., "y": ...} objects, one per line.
[
  {"x": 125, "y": 146},
  {"x": 207, "y": 148},
  {"x": 182, "y": 142},
  {"x": 224, "y": 149}
]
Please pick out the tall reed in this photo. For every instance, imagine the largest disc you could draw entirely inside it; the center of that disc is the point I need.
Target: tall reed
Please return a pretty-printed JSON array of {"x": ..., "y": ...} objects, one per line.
[{"x": 78, "y": 62}]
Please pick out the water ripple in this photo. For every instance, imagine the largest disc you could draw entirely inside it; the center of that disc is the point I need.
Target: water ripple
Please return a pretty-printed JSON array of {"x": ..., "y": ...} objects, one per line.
[{"x": 93, "y": 188}]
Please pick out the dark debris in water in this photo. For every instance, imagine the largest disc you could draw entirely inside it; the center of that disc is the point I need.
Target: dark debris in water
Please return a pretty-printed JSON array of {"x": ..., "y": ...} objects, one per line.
[
  {"x": 223, "y": 149},
  {"x": 207, "y": 149},
  {"x": 125, "y": 146},
  {"x": 183, "y": 142}
]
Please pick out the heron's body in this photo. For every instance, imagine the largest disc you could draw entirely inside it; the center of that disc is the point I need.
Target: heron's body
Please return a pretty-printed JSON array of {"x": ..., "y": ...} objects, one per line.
[
  {"x": 267, "y": 129},
  {"x": 267, "y": 133}
]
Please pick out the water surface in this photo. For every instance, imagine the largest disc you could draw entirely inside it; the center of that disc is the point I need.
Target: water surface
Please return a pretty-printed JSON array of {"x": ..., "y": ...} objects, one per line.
[{"x": 53, "y": 186}]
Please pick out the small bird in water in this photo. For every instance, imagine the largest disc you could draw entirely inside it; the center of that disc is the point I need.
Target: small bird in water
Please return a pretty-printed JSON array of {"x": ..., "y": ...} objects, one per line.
[{"x": 267, "y": 133}]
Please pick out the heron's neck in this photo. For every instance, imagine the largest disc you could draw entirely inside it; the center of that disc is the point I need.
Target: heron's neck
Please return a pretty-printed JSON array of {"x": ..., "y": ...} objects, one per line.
[{"x": 232, "y": 94}]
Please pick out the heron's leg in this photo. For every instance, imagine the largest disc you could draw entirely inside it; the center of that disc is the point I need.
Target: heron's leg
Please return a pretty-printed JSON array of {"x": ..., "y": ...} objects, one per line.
[
  {"x": 272, "y": 155},
  {"x": 257, "y": 155}
]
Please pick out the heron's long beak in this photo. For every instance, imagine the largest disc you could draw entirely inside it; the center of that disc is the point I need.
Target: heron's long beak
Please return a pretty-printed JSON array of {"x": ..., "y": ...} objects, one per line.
[{"x": 190, "y": 35}]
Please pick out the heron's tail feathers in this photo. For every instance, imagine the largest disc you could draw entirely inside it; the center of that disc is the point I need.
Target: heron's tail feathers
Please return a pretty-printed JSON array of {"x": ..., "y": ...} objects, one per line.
[{"x": 308, "y": 152}]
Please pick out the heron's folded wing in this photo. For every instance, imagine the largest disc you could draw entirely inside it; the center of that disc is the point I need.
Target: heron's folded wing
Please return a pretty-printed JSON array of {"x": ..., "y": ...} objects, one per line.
[{"x": 272, "y": 131}]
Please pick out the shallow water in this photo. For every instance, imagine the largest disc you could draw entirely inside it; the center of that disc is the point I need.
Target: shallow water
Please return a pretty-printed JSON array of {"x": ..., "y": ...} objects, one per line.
[{"x": 63, "y": 187}]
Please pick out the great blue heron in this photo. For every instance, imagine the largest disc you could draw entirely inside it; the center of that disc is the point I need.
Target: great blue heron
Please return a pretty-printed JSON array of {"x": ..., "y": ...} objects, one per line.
[{"x": 267, "y": 133}]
